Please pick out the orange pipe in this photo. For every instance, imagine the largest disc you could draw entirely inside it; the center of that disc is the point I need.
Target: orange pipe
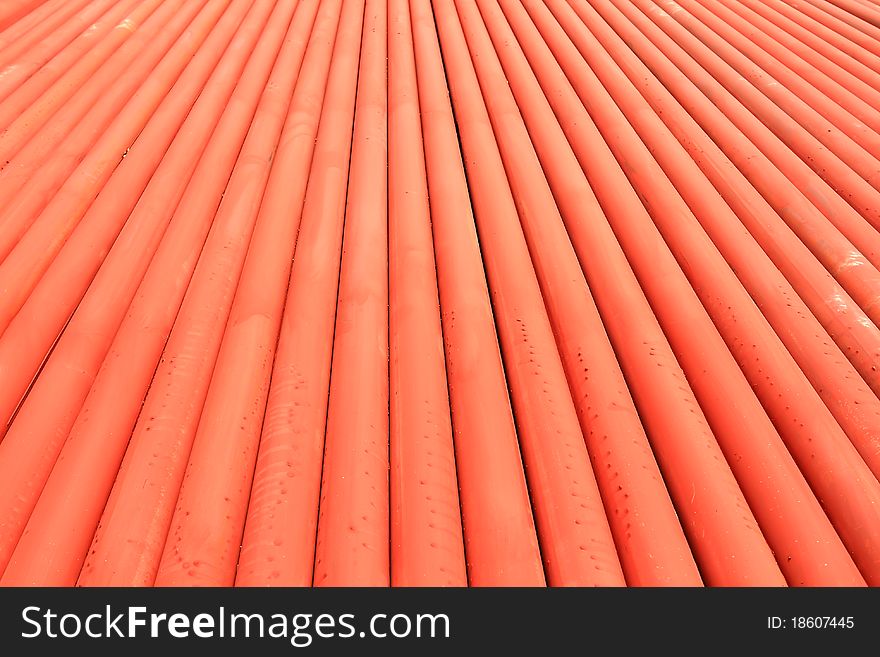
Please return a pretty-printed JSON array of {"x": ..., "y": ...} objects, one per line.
[
  {"x": 499, "y": 532},
  {"x": 48, "y": 60},
  {"x": 701, "y": 469},
  {"x": 827, "y": 458},
  {"x": 21, "y": 17},
  {"x": 241, "y": 327},
  {"x": 31, "y": 317},
  {"x": 766, "y": 73},
  {"x": 797, "y": 48},
  {"x": 576, "y": 541},
  {"x": 871, "y": 5},
  {"x": 163, "y": 437},
  {"x": 755, "y": 464},
  {"x": 256, "y": 563},
  {"x": 278, "y": 546},
  {"x": 205, "y": 531},
  {"x": 39, "y": 87},
  {"x": 30, "y": 333},
  {"x": 48, "y": 28},
  {"x": 797, "y": 56},
  {"x": 838, "y": 51},
  {"x": 440, "y": 292},
  {"x": 825, "y": 366},
  {"x": 794, "y": 190},
  {"x": 352, "y": 545},
  {"x": 628, "y": 476},
  {"x": 857, "y": 336},
  {"x": 855, "y": 190},
  {"x": 778, "y": 382},
  {"x": 866, "y": 12},
  {"x": 37, "y": 437},
  {"x": 173, "y": 430},
  {"x": 427, "y": 548},
  {"x": 864, "y": 34},
  {"x": 844, "y": 164},
  {"x": 27, "y": 120},
  {"x": 42, "y": 211}
]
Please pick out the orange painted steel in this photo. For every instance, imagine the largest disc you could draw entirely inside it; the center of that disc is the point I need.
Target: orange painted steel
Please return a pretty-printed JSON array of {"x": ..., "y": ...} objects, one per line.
[
  {"x": 781, "y": 62},
  {"x": 798, "y": 49},
  {"x": 27, "y": 110},
  {"x": 640, "y": 512},
  {"x": 822, "y": 116},
  {"x": 797, "y": 194},
  {"x": 715, "y": 481},
  {"x": 769, "y": 369},
  {"x": 829, "y": 47},
  {"x": 37, "y": 438},
  {"x": 45, "y": 63},
  {"x": 864, "y": 34},
  {"x": 440, "y": 292},
  {"x": 427, "y": 547},
  {"x": 576, "y": 541},
  {"x": 150, "y": 511},
  {"x": 278, "y": 546},
  {"x": 499, "y": 532},
  {"x": 352, "y": 545},
  {"x": 18, "y": 18},
  {"x": 50, "y": 205},
  {"x": 31, "y": 331},
  {"x": 87, "y": 446},
  {"x": 848, "y": 168},
  {"x": 47, "y": 27},
  {"x": 767, "y": 74},
  {"x": 857, "y": 336}
]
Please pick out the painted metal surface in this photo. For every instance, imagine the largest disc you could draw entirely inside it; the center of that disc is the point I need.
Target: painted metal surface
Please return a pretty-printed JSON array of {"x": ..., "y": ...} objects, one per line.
[{"x": 440, "y": 292}]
